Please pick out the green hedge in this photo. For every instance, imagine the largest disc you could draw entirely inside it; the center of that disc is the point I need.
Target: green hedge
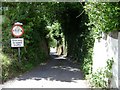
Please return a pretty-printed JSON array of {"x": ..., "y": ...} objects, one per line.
[{"x": 35, "y": 50}]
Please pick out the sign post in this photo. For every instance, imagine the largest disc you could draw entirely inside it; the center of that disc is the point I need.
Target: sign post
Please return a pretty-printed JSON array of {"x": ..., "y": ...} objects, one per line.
[
  {"x": 19, "y": 58},
  {"x": 17, "y": 31}
]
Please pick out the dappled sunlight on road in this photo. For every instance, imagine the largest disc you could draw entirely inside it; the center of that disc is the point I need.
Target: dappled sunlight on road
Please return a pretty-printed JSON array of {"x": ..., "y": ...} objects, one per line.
[
  {"x": 67, "y": 68},
  {"x": 57, "y": 73}
]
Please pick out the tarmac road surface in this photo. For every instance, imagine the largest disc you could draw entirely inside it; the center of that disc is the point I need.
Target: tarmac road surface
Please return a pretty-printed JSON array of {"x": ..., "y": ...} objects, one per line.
[{"x": 57, "y": 73}]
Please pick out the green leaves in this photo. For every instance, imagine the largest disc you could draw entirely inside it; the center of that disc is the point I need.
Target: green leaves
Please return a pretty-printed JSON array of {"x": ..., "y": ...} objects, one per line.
[
  {"x": 34, "y": 17},
  {"x": 54, "y": 33},
  {"x": 100, "y": 78},
  {"x": 103, "y": 16}
]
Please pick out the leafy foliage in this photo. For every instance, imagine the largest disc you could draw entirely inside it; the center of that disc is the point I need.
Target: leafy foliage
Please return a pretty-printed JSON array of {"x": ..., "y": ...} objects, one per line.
[
  {"x": 36, "y": 18},
  {"x": 54, "y": 33},
  {"x": 103, "y": 17},
  {"x": 78, "y": 38},
  {"x": 45, "y": 22},
  {"x": 101, "y": 78},
  {"x": 35, "y": 32}
]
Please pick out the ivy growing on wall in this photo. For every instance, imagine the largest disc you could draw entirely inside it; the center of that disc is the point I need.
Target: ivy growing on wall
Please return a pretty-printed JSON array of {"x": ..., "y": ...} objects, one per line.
[
  {"x": 103, "y": 18},
  {"x": 101, "y": 78}
]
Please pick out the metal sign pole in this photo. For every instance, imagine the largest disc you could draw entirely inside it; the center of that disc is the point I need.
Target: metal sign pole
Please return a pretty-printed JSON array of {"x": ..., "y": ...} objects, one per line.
[{"x": 19, "y": 58}]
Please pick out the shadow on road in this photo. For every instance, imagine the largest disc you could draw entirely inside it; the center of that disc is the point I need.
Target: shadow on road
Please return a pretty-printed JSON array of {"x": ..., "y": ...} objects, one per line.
[{"x": 58, "y": 69}]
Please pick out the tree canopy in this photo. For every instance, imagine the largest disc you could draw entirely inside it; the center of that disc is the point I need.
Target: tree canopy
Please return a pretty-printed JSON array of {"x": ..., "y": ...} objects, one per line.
[{"x": 45, "y": 22}]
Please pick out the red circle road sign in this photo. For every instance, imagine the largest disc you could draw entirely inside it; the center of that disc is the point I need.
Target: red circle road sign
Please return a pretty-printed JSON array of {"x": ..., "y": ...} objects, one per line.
[{"x": 17, "y": 30}]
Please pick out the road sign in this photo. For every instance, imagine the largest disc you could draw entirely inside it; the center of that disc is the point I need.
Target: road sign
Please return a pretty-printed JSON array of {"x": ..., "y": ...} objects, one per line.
[
  {"x": 17, "y": 42},
  {"x": 17, "y": 30}
]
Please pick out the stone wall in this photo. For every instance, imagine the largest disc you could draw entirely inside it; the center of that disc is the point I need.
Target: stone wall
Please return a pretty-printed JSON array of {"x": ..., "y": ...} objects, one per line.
[
  {"x": 119, "y": 59},
  {"x": 107, "y": 47}
]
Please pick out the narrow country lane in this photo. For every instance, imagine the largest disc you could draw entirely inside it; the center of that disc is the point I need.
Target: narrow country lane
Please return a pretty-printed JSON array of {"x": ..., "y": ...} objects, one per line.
[{"x": 57, "y": 73}]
